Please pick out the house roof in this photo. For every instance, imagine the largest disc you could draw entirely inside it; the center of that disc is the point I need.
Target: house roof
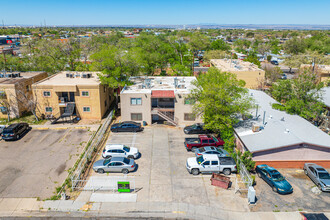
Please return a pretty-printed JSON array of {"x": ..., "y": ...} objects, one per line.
[
  {"x": 279, "y": 130},
  {"x": 162, "y": 94}
]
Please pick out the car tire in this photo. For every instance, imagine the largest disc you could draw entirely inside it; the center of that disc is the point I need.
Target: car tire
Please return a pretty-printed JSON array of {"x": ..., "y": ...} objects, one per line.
[
  {"x": 226, "y": 171},
  {"x": 274, "y": 189},
  {"x": 306, "y": 172},
  {"x": 130, "y": 157},
  {"x": 107, "y": 157},
  {"x": 17, "y": 137},
  {"x": 100, "y": 171},
  {"x": 319, "y": 186},
  {"x": 259, "y": 175},
  {"x": 125, "y": 171},
  {"x": 195, "y": 171},
  {"x": 193, "y": 149}
]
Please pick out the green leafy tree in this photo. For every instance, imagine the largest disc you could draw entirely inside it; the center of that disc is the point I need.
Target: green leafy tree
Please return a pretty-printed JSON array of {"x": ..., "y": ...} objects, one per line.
[
  {"x": 219, "y": 45},
  {"x": 219, "y": 97},
  {"x": 300, "y": 96},
  {"x": 294, "y": 46}
]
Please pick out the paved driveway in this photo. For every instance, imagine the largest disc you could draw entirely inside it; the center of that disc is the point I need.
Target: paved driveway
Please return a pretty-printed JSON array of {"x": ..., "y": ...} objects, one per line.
[
  {"x": 37, "y": 163},
  {"x": 162, "y": 176},
  {"x": 302, "y": 198}
]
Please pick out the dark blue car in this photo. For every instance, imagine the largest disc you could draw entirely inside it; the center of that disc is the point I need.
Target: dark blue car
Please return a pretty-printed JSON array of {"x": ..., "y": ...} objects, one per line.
[
  {"x": 126, "y": 126},
  {"x": 274, "y": 179}
]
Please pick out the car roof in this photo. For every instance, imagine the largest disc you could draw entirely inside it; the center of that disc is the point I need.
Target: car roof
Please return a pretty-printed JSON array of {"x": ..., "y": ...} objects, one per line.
[
  {"x": 210, "y": 157},
  {"x": 210, "y": 148},
  {"x": 12, "y": 126},
  {"x": 117, "y": 159},
  {"x": 129, "y": 122},
  {"x": 114, "y": 146}
]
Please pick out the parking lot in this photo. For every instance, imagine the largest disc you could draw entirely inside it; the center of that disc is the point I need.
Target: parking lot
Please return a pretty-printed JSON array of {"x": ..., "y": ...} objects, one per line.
[
  {"x": 162, "y": 176},
  {"x": 37, "y": 163},
  {"x": 302, "y": 199}
]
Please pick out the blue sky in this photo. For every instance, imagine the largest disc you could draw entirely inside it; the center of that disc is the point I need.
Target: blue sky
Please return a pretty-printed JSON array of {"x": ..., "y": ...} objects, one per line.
[{"x": 109, "y": 12}]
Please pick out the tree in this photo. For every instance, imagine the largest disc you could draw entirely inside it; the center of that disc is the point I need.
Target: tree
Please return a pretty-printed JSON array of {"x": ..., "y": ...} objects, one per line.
[
  {"x": 272, "y": 74},
  {"x": 300, "y": 96},
  {"x": 219, "y": 97},
  {"x": 215, "y": 54},
  {"x": 219, "y": 45},
  {"x": 294, "y": 46}
]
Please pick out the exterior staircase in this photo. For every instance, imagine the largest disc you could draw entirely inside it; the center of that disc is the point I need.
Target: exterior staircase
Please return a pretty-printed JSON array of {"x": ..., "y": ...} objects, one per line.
[
  {"x": 68, "y": 112},
  {"x": 164, "y": 116}
]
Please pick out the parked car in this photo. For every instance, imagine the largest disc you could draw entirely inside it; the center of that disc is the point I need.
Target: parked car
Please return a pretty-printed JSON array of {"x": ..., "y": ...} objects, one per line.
[
  {"x": 197, "y": 128},
  {"x": 211, "y": 150},
  {"x": 274, "y": 62},
  {"x": 274, "y": 178},
  {"x": 126, "y": 126},
  {"x": 15, "y": 131},
  {"x": 211, "y": 163},
  {"x": 202, "y": 141},
  {"x": 284, "y": 76},
  {"x": 120, "y": 150},
  {"x": 115, "y": 164},
  {"x": 318, "y": 175}
]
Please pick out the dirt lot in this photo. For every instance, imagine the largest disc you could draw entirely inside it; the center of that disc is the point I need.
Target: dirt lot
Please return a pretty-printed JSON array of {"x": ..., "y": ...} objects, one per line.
[
  {"x": 37, "y": 163},
  {"x": 162, "y": 176},
  {"x": 302, "y": 198}
]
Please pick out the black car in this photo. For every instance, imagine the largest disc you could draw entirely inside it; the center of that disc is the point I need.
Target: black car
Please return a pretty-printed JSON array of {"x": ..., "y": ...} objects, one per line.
[
  {"x": 126, "y": 126},
  {"x": 197, "y": 128},
  {"x": 274, "y": 62},
  {"x": 15, "y": 131}
]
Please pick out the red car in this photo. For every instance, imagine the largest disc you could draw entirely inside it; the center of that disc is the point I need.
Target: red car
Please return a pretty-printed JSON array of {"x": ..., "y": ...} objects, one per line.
[{"x": 203, "y": 140}]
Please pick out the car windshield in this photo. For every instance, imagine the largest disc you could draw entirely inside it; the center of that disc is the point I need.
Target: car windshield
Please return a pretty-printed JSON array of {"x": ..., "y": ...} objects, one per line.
[
  {"x": 216, "y": 140},
  {"x": 219, "y": 150},
  {"x": 105, "y": 162},
  {"x": 200, "y": 160},
  {"x": 126, "y": 160},
  {"x": 126, "y": 148},
  {"x": 201, "y": 150},
  {"x": 194, "y": 126},
  {"x": 277, "y": 177},
  {"x": 324, "y": 176}
]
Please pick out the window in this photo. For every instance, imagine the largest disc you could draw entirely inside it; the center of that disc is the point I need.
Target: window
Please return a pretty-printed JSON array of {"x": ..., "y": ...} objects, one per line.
[
  {"x": 215, "y": 163},
  {"x": 84, "y": 93},
  {"x": 136, "y": 116},
  {"x": 46, "y": 93},
  {"x": 189, "y": 117},
  {"x": 86, "y": 109},
  {"x": 204, "y": 141},
  {"x": 189, "y": 101},
  {"x": 206, "y": 163},
  {"x": 105, "y": 103},
  {"x": 211, "y": 141},
  {"x": 49, "y": 109},
  {"x": 27, "y": 88},
  {"x": 136, "y": 101}
]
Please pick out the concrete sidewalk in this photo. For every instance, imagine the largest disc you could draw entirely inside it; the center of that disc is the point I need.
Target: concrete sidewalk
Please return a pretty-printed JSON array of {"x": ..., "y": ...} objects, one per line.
[{"x": 15, "y": 207}]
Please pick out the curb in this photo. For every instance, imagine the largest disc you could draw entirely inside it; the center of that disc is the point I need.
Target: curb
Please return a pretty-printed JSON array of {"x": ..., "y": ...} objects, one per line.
[{"x": 58, "y": 128}]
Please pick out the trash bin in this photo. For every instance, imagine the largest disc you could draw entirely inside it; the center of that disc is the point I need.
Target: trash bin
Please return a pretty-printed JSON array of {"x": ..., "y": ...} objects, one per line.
[
  {"x": 251, "y": 195},
  {"x": 220, "y": 181},
  {"x": 144, "y": 123}
]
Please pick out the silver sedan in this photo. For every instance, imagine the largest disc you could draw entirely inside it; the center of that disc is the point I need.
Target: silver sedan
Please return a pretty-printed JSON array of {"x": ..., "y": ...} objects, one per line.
[
  {"x": 115, "y": 164},
  {"x": 318, "y": 175}
]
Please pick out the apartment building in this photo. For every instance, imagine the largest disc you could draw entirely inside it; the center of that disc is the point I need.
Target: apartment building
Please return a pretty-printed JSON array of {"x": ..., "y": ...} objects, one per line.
[
  {"x": 68, "y": 94},
  {"x": 16, "y": 92},
  {"x": 158, "y": 100},
  {"x": 249, "y": 72}
]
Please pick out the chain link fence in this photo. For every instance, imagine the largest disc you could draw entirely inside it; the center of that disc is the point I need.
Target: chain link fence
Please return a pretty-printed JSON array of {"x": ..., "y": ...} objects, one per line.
[{"x": 244, "y": 181}]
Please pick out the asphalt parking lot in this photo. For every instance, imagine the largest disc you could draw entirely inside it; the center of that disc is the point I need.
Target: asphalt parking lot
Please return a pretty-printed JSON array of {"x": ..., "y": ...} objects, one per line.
[
  {"x": 162, "y": 176},
  {"x": 37, "y": 163},
  {"x": 302, "y": 199}
]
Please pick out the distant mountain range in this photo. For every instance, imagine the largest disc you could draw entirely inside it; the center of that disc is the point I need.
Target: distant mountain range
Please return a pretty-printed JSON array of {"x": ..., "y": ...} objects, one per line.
[{"x": 209, "y": 26}]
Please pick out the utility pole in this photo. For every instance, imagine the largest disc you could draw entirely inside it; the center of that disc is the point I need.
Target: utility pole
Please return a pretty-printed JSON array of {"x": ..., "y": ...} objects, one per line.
[{"x": 3, "y": 24}]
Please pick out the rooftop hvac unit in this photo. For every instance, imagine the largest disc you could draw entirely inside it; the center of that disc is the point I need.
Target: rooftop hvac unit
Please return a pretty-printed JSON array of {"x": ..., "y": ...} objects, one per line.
[
  {"x": 69, "y": 75},
  {"x": 89, "y": 75},
  {"x": 77, "y": 75}
]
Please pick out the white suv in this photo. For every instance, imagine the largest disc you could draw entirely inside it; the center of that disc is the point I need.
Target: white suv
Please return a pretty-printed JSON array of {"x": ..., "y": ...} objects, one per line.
[{"x": 120, "y": 150}]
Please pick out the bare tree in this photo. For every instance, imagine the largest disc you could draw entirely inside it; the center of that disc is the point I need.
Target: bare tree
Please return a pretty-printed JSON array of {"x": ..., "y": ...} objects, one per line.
[
  {"x": 5, "y": 103},
  {"x": 26, "y": 99}
]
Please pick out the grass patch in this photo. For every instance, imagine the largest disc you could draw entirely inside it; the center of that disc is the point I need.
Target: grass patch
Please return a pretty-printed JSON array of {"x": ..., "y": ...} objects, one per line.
[{"x": 28, "y": 118}]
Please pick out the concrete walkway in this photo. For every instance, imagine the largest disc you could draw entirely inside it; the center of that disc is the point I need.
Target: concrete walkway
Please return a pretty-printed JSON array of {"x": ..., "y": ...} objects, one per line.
[{"x": 15, "y": 207}]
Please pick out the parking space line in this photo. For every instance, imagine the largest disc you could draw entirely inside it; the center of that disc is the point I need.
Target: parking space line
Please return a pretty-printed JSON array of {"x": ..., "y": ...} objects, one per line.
[{"x": 133, "y": 141}]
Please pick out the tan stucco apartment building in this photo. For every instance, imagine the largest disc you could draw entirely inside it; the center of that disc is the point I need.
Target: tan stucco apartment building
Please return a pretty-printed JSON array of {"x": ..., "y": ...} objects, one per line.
[
  {"x": 158, "y": 100},
  {"x": 249, "y": 72},
  {"x": 81, "y": 90},
  {"x": 16, "y": 92}
]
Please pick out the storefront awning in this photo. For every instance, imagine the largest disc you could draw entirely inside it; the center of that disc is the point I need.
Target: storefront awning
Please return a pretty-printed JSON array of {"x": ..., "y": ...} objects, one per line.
[{"x": 162, "y": 94}]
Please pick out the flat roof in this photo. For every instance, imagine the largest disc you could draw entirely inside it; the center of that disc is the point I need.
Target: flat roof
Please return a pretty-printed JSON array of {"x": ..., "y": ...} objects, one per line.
[
  {"x": 23, "y": 75},
  {"x": 230, "y": 65},
  {"x": 61, "y": 79},
  {"x": 143, "y": 84},
  {"x": 280, "y": 129}
]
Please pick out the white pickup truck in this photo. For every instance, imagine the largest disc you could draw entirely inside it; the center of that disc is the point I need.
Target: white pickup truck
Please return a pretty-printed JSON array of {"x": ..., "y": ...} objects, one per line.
[{"x": 211, "y": 164}]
